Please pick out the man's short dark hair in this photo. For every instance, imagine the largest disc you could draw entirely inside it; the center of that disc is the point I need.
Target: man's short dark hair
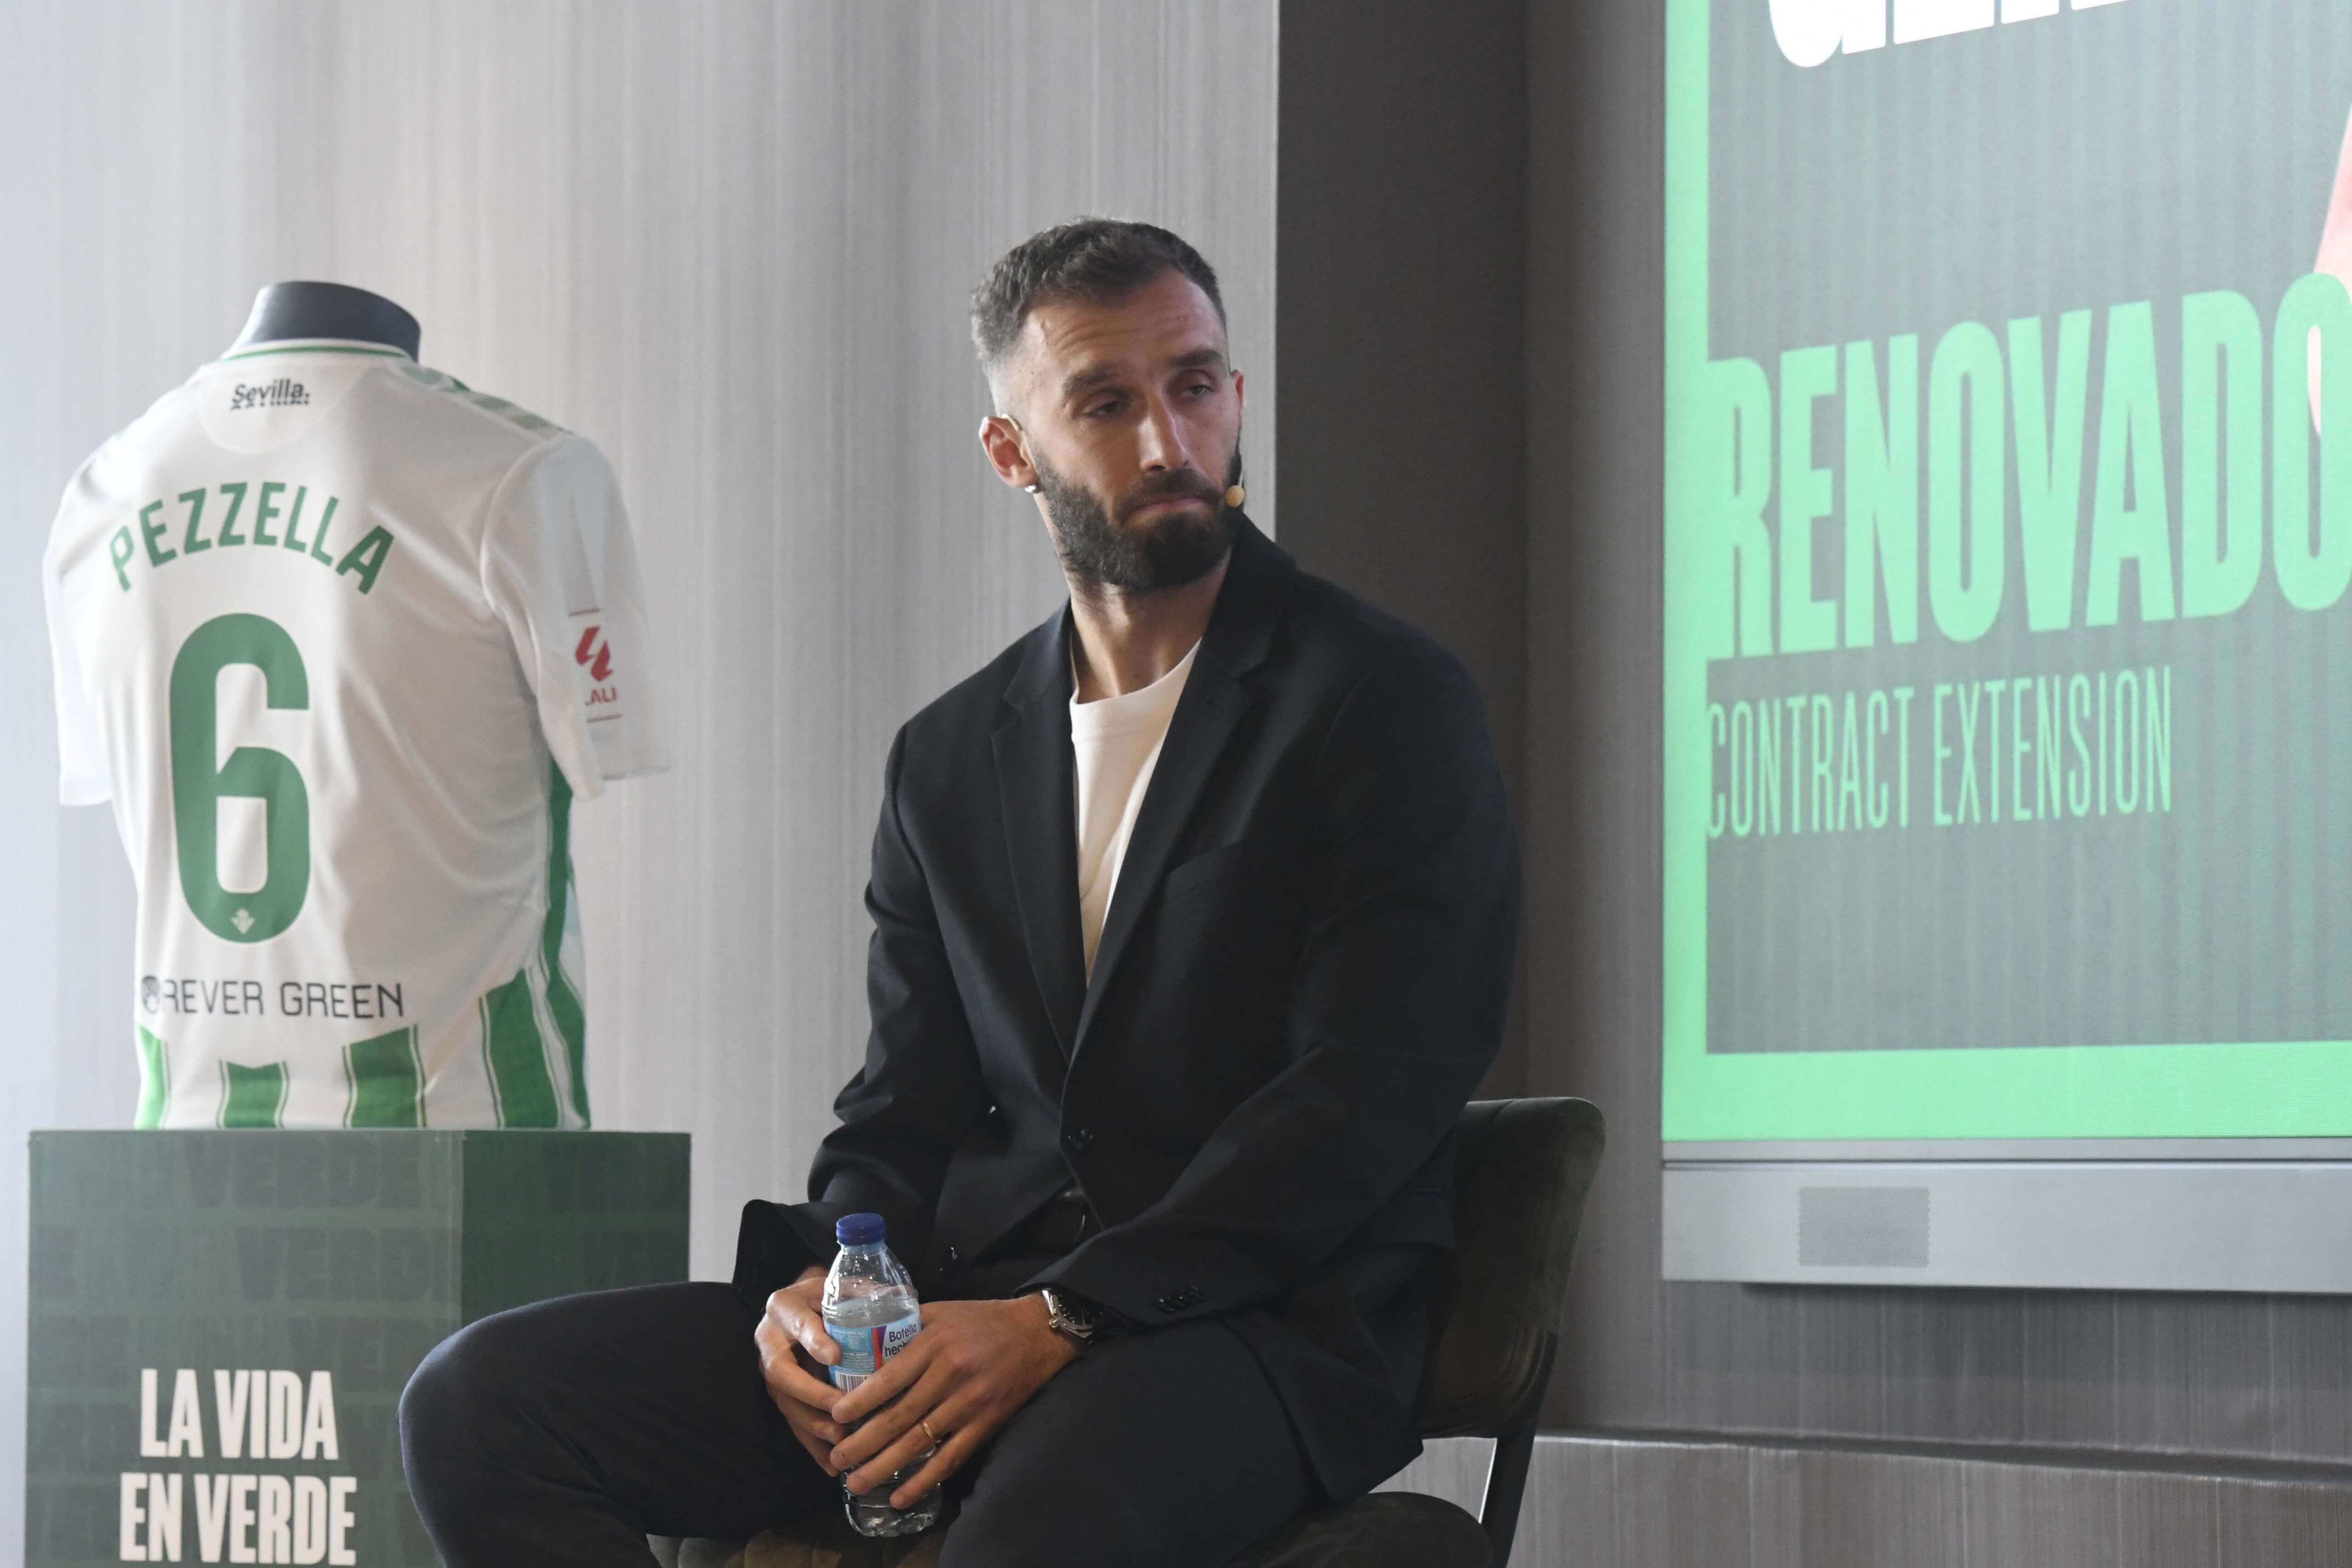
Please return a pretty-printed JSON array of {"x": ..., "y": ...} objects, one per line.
[{"x": 1096, "y": 260}]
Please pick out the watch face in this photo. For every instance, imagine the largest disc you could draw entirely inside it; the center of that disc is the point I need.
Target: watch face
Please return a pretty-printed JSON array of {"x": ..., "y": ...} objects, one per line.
[{"x": 1066, "y": 1316}]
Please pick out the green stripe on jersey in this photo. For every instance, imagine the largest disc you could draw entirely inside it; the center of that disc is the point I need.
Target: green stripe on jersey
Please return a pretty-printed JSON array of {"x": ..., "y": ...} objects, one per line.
[
  {"x": 313, "y": 349},
  {"x": 441, "y": 380},
  {"x": 387, "y": 1082},
  {"x": 517, "y": 1060},
  {"x": 562, "y": 1000},
  {"x": 252, "y": 1097},
  {"x": 154, "y": 1081}
]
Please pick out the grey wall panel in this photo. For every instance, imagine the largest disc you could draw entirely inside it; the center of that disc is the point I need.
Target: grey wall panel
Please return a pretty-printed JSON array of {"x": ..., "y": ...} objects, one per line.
[
  {"x": 1602, "y": 1502},
  {"x": 1743, "y": 1369},
  {"x": 1955, "y": 1361},
  {"x": 1774, "y": 1506},
  {"x": 1888, "y": 1511},
  {"x": 730, "y": 240},
  {"x": 2310, "y": 1376},
  {"x": 2288, "y": 1526},
  {"x": 1693, "y": 1505},
  {"x": 2194, "y": 1373},
  {"x": 2168, "y": 1521},
  {"x": 2047, "y": 1515},
  {"x": 1571, "y": 1512},
  {"x": 2070, "y": 1355}
]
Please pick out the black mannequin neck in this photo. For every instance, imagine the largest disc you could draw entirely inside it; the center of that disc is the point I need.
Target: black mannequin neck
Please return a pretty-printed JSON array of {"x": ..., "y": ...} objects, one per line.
[{"x": 284, "y": 310}]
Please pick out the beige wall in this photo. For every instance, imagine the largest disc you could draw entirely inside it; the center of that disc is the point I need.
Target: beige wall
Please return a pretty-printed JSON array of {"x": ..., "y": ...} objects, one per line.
[{"x": 729, "y": 241}]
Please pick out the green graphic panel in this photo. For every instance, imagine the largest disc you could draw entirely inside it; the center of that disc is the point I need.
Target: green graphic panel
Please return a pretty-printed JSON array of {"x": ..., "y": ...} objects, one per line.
[
  {"x": 2008, "y": 546},
  {"x": 603, "y": 1209},
  {"x": 318, "y": 1267}
]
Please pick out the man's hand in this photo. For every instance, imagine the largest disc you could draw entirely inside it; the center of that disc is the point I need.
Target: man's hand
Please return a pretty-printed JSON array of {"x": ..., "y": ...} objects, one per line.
[
  {"x": 794, "y": 1350},
  {"x": 974, "y": 1363}
]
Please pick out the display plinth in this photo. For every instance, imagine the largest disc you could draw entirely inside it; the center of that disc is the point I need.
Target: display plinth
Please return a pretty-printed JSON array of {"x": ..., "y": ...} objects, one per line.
[{"x": 281, "y": 1287}]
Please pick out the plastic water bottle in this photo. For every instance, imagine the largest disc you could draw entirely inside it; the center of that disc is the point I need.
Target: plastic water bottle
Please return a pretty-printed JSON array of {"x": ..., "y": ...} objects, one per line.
[{"x": 872, "y": 1312}]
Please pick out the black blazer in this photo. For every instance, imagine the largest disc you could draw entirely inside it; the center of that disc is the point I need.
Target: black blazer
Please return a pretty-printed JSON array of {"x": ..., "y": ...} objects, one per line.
[{"x": 1301, "y": 979}]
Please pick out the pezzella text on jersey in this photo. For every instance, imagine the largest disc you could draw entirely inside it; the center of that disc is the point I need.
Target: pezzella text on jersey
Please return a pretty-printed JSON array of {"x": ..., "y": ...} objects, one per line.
[{"x": 364, "y": 559}]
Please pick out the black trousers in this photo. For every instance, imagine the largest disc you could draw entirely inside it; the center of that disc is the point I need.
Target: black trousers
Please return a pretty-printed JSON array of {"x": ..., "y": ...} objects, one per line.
[{"x": 567, "y": 1432}]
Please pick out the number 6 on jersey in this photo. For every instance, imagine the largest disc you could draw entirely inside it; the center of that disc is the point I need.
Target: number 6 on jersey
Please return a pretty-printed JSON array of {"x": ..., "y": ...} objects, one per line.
[{"x": 251, "y": 772}]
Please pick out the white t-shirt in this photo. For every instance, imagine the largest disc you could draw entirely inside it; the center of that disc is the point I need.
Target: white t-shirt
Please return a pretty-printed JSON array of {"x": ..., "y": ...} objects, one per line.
[
  {"x": 1116, "y": 741},
  {"x": 341, "y": 640}
]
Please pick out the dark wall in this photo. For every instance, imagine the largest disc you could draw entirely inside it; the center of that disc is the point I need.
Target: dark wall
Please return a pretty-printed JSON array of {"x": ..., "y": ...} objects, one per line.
[
  {"x": 2229, "y": 1375},
  {"x": 1596, "y": 399},
  {"x": 1400, "y": 221}
]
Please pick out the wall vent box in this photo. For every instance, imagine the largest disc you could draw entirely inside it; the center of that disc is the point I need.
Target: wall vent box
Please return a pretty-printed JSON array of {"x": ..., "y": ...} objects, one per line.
[
  {"x": 2144, "y": 1218},
  {"x": 238, "y": 1266},
  {"x": 1884, "y": 1227}
]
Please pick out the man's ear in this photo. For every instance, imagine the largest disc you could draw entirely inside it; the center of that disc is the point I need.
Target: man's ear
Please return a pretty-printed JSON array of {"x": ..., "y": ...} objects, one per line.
[{"x": 1008, "y": 453}]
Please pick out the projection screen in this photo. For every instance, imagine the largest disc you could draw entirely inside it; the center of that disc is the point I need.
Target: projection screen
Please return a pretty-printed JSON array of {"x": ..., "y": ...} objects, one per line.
[{"x": 2008, "y": 761}]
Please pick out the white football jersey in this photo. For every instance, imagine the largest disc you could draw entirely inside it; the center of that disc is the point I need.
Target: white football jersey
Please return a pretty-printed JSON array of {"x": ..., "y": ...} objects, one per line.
[{"x": 343, "y": 640}]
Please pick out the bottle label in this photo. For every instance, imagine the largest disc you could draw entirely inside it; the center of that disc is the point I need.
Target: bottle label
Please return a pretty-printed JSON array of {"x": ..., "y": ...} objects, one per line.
[{"x": 863, "y": 1350}]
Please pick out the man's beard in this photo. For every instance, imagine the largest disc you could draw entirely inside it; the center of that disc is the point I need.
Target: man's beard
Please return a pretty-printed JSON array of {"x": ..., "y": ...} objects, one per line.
[{"x": 1171, "y": 551}]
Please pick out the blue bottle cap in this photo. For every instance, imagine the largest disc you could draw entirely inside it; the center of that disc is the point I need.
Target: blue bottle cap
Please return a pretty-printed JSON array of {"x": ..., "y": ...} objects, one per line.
[{"x": 858, "y": 1229}]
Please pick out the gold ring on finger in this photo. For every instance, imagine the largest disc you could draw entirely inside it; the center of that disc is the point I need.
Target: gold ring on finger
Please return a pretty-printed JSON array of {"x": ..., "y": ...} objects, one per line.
[{"x": 925, "y": 1426}]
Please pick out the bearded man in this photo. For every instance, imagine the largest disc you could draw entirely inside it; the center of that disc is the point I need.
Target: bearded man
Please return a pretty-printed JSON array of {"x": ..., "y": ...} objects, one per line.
[{"x": 1193, "y": 918}]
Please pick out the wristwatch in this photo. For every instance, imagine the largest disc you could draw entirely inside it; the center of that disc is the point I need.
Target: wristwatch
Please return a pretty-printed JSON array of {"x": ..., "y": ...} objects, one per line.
[{"x": 1074, "y": 1320}]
